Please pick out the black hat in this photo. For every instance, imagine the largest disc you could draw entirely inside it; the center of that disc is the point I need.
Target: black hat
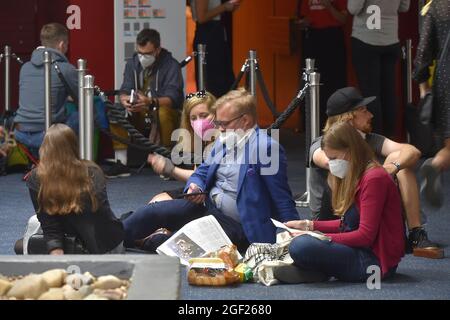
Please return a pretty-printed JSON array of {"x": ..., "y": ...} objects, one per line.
[{"x": 345, "y": 100}]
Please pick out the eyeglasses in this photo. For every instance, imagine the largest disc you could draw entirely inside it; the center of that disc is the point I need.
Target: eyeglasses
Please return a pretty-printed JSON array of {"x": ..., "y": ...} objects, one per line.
[
  {"x": 225, "y": 124},
  {"x": 199, "y": 94}
]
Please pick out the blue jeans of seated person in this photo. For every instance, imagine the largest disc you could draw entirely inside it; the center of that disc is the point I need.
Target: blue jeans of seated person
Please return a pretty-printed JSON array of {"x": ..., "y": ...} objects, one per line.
[
  {"x": 33, "y": 140},
  {"x": 335, "y": 260},
  {"x": 173, "y": 215}
]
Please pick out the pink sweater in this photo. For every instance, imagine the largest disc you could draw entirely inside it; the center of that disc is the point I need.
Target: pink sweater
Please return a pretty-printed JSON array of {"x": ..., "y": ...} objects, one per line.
[{"x": 381, "y": 225}]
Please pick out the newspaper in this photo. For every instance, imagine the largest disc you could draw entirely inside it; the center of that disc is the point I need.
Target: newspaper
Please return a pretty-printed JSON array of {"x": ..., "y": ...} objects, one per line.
[
  {"x": 315, "y": 234},
  {"x": 195, "y": 239}
]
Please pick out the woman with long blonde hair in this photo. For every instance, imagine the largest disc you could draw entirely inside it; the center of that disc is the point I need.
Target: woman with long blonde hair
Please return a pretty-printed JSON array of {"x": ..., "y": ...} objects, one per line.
[
  {"x": 69, "y": 196},
  {"x": 196, "y": 134},
  {"x": 197, "y": 122},
  {"x": 370, "y": 231}
]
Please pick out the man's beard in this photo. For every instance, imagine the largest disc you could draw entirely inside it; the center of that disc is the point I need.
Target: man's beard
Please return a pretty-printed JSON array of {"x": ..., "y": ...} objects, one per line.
[{"x": 367, "y": 128}]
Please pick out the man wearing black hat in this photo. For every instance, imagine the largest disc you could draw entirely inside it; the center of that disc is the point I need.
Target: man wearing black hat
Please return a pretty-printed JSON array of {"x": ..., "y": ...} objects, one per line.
[{"x": 400, "y": 159}]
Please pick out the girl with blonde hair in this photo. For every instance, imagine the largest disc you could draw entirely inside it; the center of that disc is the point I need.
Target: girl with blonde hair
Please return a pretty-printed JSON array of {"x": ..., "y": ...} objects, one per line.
[
  {"x": 197, "y": 132},
  {"x": 69, "y": 196},
  {"x": 370, "y": 231},
  {"x": 141, "y": 227}
]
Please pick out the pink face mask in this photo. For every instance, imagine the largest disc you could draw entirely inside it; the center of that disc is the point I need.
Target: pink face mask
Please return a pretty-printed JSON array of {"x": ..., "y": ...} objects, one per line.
[{"x": 200, "y": 126}]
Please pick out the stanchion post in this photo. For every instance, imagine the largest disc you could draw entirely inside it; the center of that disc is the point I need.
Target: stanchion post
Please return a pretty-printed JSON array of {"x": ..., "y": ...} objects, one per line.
[
  {"x": 252, "y": 56},
  {"x": 314, "y": 79},
  {"x": 201, "y": 65},
  {"x": 303, "y": 201},
  {"x": 7, "y": 56},
  {"x": 81, "y": 108},
  {"x": 409, "y": 62},
  {"x": 47, "y": 88},
  {"x": 89, "y": 116}
]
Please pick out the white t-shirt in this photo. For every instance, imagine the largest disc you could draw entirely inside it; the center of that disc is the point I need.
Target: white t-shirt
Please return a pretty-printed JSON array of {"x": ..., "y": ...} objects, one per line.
[{"x": 211, "y": 5}]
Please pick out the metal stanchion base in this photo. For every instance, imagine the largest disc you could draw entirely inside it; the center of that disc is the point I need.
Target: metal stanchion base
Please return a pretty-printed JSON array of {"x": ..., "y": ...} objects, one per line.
[{"x": 302, "y": 201}]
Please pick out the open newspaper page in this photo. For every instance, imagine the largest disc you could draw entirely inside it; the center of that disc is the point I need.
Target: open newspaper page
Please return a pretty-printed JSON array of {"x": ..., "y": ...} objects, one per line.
[
  {"x": 316, "y": 234},
  {"x": 195, "y": 239}
]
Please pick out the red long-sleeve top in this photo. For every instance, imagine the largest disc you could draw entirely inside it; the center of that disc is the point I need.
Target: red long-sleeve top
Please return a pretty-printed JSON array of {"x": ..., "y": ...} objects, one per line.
[{"x": 381, "y": 225}]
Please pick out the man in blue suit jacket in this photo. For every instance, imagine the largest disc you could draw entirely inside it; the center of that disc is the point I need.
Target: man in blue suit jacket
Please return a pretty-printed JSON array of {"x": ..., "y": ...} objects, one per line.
[
  {"x": 245, "y": 175},
  {"x": 246, "y": 185}
]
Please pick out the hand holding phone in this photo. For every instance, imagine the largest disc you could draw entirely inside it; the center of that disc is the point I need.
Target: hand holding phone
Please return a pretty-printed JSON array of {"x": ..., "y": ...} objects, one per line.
[
  {"x": 186, "y": 195},
  {"x": 133, "y": 97},
  {"x": 196, "y": 197}
]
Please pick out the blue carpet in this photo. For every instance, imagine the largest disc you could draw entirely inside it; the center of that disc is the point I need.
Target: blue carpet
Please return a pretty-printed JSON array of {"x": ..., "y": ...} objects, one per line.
[{"x": 417, "y": 278}]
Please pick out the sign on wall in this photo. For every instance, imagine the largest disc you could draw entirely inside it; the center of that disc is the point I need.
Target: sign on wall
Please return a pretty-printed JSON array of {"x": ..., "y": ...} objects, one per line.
[{"x": 131, "y": 16}]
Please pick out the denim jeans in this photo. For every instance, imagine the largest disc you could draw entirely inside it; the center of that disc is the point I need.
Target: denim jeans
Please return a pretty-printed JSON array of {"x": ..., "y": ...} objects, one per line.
[
  {"x": 334, "y": 259},
  {"x": 33, "y": 140},
  {"x": 173, "y": 215}
]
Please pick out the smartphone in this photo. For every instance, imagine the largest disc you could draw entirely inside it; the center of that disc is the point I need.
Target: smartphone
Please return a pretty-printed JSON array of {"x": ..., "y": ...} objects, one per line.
[
  {"x": 185, "y": 195},
  {"x": 133, "y": 97}
]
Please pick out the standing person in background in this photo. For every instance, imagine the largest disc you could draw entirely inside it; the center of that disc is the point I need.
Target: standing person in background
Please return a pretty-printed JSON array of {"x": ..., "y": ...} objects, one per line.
[
  {"x": 323, "y": 40},
  {"x": 211, "y": 32},
  {"x": 375, "y": 51},
  {"x": 434, "y": 39}
]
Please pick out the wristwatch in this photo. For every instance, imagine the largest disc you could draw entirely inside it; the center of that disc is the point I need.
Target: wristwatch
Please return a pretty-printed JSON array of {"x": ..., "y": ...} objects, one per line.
[{"x": 397, "y": 165}]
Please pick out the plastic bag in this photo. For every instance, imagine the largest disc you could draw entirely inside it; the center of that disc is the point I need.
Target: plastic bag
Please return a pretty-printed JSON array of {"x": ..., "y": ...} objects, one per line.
[
  {"x": 210, "y": 272},
  {"x": 228, "y": 254}
]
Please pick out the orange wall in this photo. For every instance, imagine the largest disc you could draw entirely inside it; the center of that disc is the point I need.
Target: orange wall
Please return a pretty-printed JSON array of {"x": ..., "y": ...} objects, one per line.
[{"x": 280, "y": 72}]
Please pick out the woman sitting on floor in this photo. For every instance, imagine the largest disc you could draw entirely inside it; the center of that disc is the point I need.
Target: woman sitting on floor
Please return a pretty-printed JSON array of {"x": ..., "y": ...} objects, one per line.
[
  {"x": 196, "y": 120},
  {"x": 141, "y": 229},
  {"x": 370, "y": 231},
  {"x": 69, "y": 196}
]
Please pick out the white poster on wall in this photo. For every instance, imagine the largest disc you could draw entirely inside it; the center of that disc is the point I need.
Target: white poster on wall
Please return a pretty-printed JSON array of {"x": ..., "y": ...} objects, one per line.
[{"x": 131, "y": 16}]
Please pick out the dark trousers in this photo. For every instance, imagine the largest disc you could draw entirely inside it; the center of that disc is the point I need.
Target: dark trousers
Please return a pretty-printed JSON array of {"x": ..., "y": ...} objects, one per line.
[
  {"x": 219, "y": 71},
  {"x": 173, "y": 215},
  {"x": 326, "y": 208},
  {"x": 327, "y": 47},
  {"x": 333, "y": 259},
  {"x": 375, "y": 71}
]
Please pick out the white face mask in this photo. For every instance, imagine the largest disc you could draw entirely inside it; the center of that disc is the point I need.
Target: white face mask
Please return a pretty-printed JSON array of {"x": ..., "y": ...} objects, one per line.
[
  {"x": 146, "y": 60},
  {"x": 230, "y": 138},
  {"x": 339, "y": 167}
]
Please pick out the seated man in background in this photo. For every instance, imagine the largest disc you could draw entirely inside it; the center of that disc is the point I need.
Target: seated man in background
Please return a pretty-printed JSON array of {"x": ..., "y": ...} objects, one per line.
[
  {"x": 30, "y": 118},
  {"x": 400, "y": 159},
  {"x": 155, "y": 78}
]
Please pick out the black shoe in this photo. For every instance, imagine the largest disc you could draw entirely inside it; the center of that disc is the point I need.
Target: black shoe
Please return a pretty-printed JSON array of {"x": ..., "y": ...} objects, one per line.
[
  {"x": 422, "y": 246},
  {"x": 431, "y": 185},
  {"x": 118, "y": 170},
  {"x": 18, "y": 247},
  {"x": 293, "y": 274}
]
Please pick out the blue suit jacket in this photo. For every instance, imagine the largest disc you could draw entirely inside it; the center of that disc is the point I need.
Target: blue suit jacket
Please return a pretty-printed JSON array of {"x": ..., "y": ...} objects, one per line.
[{"x": 260, "y": 195}]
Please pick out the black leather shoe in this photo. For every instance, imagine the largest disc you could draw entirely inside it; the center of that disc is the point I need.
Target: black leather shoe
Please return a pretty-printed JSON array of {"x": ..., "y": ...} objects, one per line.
[{"x": 422, "y": 246}]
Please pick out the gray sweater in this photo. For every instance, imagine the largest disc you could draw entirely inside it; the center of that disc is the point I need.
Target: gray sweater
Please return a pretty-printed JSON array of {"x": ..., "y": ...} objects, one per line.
[
  {"x": 31, "y": 112},
  {"x": 387, "y": 34}
]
